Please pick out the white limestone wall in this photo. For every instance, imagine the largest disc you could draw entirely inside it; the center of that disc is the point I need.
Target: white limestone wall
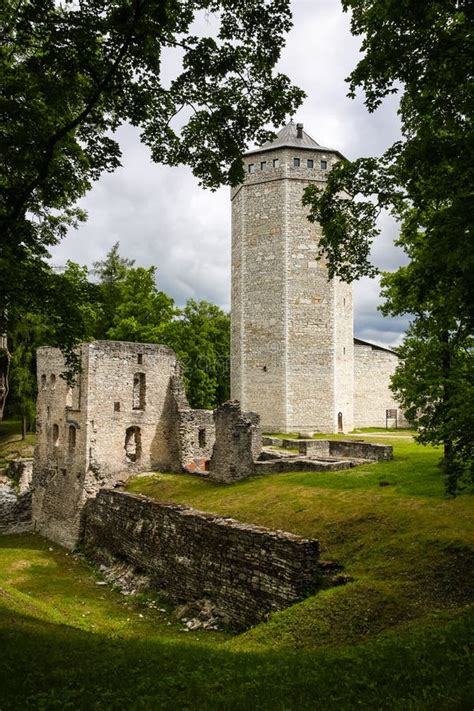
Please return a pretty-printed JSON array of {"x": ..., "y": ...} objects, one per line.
[
  {"x": 373, "y": 368},
  {"x": 285, "y": 336}
]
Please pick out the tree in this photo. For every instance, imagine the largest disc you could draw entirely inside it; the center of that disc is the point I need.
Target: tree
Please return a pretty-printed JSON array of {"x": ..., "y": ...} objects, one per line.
[
  {"x": 32, "y": 331},
  {"x": 111, "y": 271},
  {"x": 141, "y": 311},
  {"x": 424, "y": 50},
  {"x": 201, "y": 339},
  {"x": 72, "y": 72}
]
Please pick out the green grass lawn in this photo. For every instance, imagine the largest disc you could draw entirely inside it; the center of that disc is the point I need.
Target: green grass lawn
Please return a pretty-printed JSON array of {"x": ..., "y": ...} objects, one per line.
[
  {"x": 398, "y": 637},
  {"x": 11, "y": 443}
]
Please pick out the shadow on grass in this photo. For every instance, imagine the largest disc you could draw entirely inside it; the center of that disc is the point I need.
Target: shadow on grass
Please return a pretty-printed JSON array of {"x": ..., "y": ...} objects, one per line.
[{"x": 48, "y": 666}]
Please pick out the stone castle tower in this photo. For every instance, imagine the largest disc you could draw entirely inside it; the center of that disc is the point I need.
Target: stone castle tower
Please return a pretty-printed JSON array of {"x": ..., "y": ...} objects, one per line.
[{"x": 292, "y": 353}]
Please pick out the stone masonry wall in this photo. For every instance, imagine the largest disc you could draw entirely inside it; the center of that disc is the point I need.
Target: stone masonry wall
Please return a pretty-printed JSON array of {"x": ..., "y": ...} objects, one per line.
[
  {"x": 128, "y": 413},
  {"x": 346, "y": 449},
  {"x": 373, "y": 368},
  {"x": 291, "y": 328},
  {"x": 246, "y": 571},
  {"x": 238, "y": 443}
]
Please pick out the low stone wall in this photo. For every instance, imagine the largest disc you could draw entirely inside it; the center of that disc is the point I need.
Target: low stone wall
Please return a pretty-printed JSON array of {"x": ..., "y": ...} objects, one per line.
[
  {"x": 294, "y": 464},
  {"x": 15, "y": 511},
  {"x": 346, "y": 449},
  {"x": 246, "y": 571}
]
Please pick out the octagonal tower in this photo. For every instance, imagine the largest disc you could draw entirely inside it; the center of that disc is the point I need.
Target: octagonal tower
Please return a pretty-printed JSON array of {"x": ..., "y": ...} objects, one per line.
[{"x": 292, "y": 329}]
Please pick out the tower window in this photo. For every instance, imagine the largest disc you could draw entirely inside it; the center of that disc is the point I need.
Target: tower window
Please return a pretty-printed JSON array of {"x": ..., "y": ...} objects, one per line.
[
  {"x": 139, "y": 391},
  {"x": 251, "y": 167},
  {"x": 116, "y": 407},
  {"x": 72, "y": 437},
  {"x": 263, "y": 165},
  {"x": 310, "y": 163},
  {"x": 43, "y": 381},
  {"x": 140, "y": 358},
  {"x": 276, "y": 162},
  {"x": 52, "y": 381},
  {"x": 55, "y": 435},
  {"x": 202, "y": 438},
  {"x": 296, "y": 162},
  {"x": 324, "y": 164}
]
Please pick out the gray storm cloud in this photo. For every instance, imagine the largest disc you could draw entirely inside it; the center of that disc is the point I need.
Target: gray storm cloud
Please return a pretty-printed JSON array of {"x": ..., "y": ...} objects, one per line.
[{"x": 162, "y": 217}]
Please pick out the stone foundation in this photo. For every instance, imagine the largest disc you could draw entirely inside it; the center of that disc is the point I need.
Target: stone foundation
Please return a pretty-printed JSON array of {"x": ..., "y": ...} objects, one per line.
[
  {"x": 246, "y": 571},
  {"x": 15, "y": 511},
  {"x": 238, "y": 443}
]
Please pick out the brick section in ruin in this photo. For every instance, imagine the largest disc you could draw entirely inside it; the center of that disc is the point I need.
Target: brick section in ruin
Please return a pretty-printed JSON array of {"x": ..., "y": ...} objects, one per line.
[
  {"x": 238, "y": 443},
  {"x": 246, "y": 571}
]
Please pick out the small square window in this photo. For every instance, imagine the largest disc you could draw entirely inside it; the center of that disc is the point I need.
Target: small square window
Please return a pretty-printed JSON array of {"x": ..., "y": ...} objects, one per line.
[
  {"x": 310, "y": 163},
  {"x": 140, "y": 358},
  {"x": 324, "y": 164},
  {"x": 296, "y": 162},
  {"x": 251, "y": 167},
  {"x": 276, "y": 162},
  {"x": 116, "y": 407},
  {"x": 263, "y": 165}
]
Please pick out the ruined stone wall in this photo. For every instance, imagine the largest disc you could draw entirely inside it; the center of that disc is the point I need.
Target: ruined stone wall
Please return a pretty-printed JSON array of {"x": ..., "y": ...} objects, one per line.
[
  {"x": 347, "y": 449},
  {"x": 15, "y": 511},
  {"x": 197, "y": 436},
  {"x": 373, "y": 368},
  {"x": 288, "y": 322},
  {"x": 122, "y": 417},
  {"x": 238, "y": 443},
  {"x": 246, "y": 571}
]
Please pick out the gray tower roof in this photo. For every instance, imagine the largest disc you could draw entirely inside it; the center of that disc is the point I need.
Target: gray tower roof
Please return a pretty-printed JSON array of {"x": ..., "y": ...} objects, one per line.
[{"x": 292, "y": 136}]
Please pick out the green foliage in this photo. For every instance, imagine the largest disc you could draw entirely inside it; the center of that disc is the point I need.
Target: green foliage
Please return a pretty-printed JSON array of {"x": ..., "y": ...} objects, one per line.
[
  {"x": 141, "y": 311},
  {"x": 201, "y": 339},
  {"x": 425, "y": 52},
  {"x": 73, "y": 72}
]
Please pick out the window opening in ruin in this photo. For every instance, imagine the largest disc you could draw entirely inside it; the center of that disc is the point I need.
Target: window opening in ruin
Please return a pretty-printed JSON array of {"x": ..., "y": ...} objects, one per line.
[
  {"x": 133, "y": 444},
  {"x": 264, "y": 368},
  {"x": 43, "y": 382},
  {"x": 324, "y": 164},
  {"x": 52, "y": 381},
  {"x": 263, "y": 164},
  {"x": 64, "y": 472},
  {"x": 251, "y": 167},
  {"x": 340, "y": 427},
  {"x": 139, "y": 391},
  {"x": 276, "y": 162},
  {"x": 116, "y": 407},
  {"x": 310, "y": 163},
  {"x": 202, "y": 438},
  {"x": 296, "y": 162},
  {"x": 55, "y": 435},
  {"x": 48, "y": 411},
  {"x": 72, "y": 437},
  {"x": 69, "y": 398},
  {"x": 140, "y": 358}
]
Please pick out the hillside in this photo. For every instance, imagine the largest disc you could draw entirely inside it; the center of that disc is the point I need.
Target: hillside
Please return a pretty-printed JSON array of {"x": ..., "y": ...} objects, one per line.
[{"x": 397, "y": 637}]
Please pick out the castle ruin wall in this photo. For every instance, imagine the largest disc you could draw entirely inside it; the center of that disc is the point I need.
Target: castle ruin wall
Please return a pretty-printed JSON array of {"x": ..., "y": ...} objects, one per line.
[{"x": 245, "y": 570}]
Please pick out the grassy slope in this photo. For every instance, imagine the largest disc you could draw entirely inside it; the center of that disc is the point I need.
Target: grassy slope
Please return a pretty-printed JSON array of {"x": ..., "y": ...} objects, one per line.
[
  {"x": 11, "y": 444},
  {"x": 396, "y": 638}
]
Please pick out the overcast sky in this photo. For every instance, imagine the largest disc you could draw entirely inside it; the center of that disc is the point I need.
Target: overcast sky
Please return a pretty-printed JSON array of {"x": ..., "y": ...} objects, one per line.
[{"x": 162, "y": 217}]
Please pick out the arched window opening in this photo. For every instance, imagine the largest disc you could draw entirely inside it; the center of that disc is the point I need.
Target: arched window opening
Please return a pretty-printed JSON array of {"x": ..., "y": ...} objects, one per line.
[
  {"x": 69, "y": 397},
  {"x": 133, "y": 444},
  {"x": 52, "y": 381},
  {"x": 202, "y": 438},
  {"x": 43, "y": 382},
  {"x": 72, "y": 437},
  {"x": 139, "y": 391},
  {"x": 55, "y": 435}
]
